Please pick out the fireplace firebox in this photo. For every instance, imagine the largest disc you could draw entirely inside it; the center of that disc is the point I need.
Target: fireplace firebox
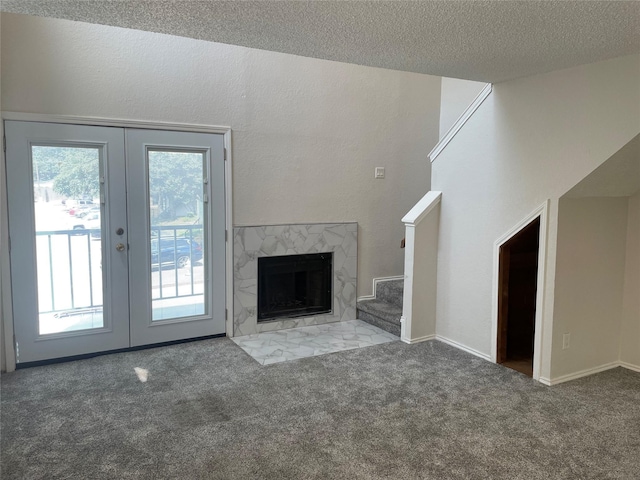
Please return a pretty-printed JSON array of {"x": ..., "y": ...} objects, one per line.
[{"x": 294, "y": 285}]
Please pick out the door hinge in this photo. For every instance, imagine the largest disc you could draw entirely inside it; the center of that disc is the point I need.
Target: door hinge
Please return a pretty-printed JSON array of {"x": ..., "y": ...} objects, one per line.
[
  {"x": 226, "y": 313},
  {"x": 226, "y": 235},
  {"x": 225, "y": 154}
]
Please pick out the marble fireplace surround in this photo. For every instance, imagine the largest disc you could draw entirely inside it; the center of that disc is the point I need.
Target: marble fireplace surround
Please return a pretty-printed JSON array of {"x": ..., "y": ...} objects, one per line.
[{"x": 252, "y": 242}]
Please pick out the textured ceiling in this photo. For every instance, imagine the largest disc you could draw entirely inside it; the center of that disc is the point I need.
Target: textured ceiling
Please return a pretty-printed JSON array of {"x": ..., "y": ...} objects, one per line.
[{"x": 487, "y": 41}]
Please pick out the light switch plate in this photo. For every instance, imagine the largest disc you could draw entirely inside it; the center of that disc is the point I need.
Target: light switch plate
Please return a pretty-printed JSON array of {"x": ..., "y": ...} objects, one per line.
[{"x": 379, "y": 173}]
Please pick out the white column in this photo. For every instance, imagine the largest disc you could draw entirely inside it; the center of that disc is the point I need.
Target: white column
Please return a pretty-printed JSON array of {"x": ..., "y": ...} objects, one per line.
[{"x": 420, "y": 270}]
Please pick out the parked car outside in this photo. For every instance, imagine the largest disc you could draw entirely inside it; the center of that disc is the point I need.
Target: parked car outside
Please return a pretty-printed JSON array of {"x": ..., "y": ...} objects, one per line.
[
  {"x": 84, "y": 211},
  {"x": 91, "y": 222},
  {"x": 75, "y": 206},
  {"x": 178, "y": 251}
]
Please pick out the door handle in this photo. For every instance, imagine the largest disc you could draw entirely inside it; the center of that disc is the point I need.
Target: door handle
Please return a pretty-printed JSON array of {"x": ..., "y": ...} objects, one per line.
[{"x": 120, "y": 247}]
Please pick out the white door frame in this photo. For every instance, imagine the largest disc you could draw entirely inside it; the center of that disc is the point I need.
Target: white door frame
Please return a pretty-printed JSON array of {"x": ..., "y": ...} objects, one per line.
[
  {"x": 8, "y": 348},
  {"x": 26, "y": 271},
  {"x": 540, "y": 321}
]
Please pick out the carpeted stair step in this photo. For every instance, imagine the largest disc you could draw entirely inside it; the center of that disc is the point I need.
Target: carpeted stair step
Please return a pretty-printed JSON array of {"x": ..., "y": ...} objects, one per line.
[
  {"x": 380, "y": 313},
  {"x": 390, "y": 291}
]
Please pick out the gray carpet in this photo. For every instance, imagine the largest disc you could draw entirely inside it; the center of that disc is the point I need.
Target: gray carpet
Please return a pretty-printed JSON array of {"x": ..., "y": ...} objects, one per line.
[{"x": 390, "y": 411}]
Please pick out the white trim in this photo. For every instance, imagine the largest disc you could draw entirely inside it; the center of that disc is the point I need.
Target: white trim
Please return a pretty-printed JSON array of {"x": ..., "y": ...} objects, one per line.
[
  {"x": 366, "y": 297},
  {"x": 228, "y": 198},
  {"x": 407, "y": 292},
  {"x": 7, "y": 314},
  {"x": 6, "y": 310},
  {"x": 540, "y": 321},
  {"x": 114, "y": 122},
  {"x": 462, "y": 347},
  {"x": 421, "y": 209},
  {"x": 375, "y": 283},
  {"x": 630, "y": 366},
  {"x": 543, "y": 380},
  {"x": 413, "y": 341},
  {"x": 455, "y": 128},
  {"x": 580, "y": 374}
]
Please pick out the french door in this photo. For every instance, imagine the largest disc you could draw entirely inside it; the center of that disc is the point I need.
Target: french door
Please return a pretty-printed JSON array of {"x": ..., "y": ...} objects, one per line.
[{"x": 117, "y": 237}]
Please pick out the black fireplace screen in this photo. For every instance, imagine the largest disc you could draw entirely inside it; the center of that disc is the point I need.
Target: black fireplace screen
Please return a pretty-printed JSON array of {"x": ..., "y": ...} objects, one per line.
[{"x": 294, "y": 285}]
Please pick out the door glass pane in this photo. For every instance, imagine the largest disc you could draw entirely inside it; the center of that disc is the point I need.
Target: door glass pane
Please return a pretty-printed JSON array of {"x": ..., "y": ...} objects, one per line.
[
  {"x": 177, "y": 233},
  {"x": 68, "y": 229}
]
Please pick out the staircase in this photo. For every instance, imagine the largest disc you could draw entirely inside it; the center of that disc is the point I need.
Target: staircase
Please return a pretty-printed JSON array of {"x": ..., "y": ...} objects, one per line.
[{"x": 384, "y": 311}]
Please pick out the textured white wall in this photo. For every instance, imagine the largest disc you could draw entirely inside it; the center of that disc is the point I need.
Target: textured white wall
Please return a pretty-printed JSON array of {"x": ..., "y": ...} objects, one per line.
[
  {"x": 590, "y": 270},
  {"x": 307, "y": 133},
  {"x": 630, "y": 331},
  {"x": 531, "y": 140},
  {"x": 456, "y": 95}
]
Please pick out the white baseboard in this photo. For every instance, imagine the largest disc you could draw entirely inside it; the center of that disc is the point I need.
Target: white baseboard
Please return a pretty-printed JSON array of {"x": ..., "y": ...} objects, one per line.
[
  {"x": 580, "y": 374},
  {"x": 543, "y": 380},
  {"x": 460, "y": 346},
  {"x": 366, "y": 297},
  {"x": 375, "y": 283},
  {"x": 630, "y": 366},
  {"x": 411, "y": 341}
]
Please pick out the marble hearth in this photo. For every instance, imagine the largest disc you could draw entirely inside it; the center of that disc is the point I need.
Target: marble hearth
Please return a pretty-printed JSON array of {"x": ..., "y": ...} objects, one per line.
[{"x": 252, "y": 242}]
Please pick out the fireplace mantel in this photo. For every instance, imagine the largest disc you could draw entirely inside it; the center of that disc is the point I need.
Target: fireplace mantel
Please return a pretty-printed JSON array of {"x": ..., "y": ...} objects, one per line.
[{"x": 252, "y": 242}]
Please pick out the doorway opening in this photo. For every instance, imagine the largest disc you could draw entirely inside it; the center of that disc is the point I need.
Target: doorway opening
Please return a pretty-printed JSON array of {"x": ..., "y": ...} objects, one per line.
[{"x": 517, "y": 292}]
